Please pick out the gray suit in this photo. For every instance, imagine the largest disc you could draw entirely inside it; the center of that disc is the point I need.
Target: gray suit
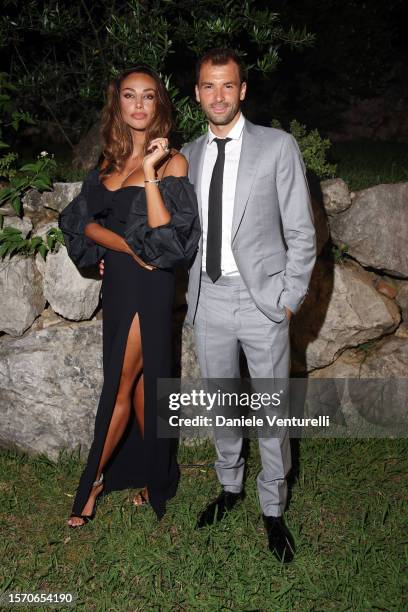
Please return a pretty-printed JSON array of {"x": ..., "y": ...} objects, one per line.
[{"x": 273, "y": 243}]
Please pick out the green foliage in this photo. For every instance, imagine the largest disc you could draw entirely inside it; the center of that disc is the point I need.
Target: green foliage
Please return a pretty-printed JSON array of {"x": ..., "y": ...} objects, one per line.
[
  {"x": 35, "y": 175},
  {"x": 12, "y": 243},
  {"x": 87, "y": 43},
  {"x": 190, "y": 119},
  {"x": 32, "y": 175},
  {"x": 313, "y": 148},
  {"x": 10, "y": 116},
  {"x": 339, "y": 253}
]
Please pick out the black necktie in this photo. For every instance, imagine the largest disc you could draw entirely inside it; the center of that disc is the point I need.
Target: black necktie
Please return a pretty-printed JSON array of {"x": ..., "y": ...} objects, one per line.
[{"x": 214, "y": 228}]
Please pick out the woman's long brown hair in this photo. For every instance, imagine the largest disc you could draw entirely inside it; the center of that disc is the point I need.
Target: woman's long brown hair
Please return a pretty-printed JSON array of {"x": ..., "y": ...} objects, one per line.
[{"x": 116, "y": 134}]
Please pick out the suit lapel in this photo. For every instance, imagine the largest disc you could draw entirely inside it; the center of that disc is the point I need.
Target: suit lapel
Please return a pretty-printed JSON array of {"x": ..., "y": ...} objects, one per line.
[
  {"x": 246, "y": 174},
  {"x": 196, "y": 165}
]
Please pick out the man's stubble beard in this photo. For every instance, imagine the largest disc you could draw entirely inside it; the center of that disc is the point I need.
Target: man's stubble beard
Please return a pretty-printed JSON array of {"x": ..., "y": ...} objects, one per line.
[{"x": 216, "y": 120}]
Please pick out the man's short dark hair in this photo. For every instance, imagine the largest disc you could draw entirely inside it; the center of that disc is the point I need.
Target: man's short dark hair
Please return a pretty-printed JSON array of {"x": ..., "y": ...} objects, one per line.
[{"x": 219, "y": 57}]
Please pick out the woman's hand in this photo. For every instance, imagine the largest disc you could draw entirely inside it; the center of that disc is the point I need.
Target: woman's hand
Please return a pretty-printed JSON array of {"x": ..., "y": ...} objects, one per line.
[
  {"x": 101, "y": 264},
  {"x": 157, "y": 150},
  {"x": 142, "y": 263}
]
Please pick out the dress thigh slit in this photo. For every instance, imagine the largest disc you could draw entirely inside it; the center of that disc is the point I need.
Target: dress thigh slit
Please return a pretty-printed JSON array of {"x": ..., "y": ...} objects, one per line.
[
  {"x": 137, "y": 461},
  {"x": 123, "y": 468}
]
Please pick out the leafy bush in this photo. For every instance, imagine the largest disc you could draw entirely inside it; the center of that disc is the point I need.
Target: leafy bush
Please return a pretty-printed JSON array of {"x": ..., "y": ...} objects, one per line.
[
  {"x": 62, "y": 54},
  {"x": 18, "y": 180},
  {"x": 313, "y": 148},
  {"x": 12, "y": 242},
  {"x": 32, "y": 175},
  {"x": 36, "y": 175}
]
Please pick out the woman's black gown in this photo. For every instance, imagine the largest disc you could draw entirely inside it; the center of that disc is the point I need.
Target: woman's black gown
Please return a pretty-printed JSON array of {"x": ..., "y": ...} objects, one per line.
[{"x": 129, "y": 289}]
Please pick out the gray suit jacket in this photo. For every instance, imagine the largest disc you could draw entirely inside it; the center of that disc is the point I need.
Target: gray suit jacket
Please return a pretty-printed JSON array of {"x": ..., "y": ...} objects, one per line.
[{"x": 273, "y": 236}]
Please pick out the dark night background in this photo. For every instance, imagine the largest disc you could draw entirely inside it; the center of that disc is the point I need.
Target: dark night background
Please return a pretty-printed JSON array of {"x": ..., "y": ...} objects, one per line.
[{"x": 350, "y": 84}]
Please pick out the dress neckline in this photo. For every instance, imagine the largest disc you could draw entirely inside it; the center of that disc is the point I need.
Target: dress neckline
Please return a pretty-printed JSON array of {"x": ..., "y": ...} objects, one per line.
[{"x": 120, "y": 188}]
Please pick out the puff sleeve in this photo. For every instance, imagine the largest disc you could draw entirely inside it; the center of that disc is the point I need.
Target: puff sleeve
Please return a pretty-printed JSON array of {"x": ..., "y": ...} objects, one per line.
[
  {"x": 72, "y": 220},
  {"x": 177, "y": 241}
]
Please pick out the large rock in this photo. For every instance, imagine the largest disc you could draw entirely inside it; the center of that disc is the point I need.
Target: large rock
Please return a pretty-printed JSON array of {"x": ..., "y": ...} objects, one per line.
[
  {"x": 70, "y": 294},
  {"x": 24, "y": 225},
  {"x": 43, "y": 208},
  {"x": 43, "y": 227},
  {"x": 32, "y": 201},
  {"x": 376, "y": 381},
  {"x": 342, "y": 309},
  {"x": 21, "y": 294},
  {"x": 50, "y": 381},
  {"x": 386, "y": 358},
  {"x": 336, "y": 196},
  {"x": 61, "y": 195},
  {"x": 402, "y": 299},
  {"x": 189, "y": 364},
  {"x": 34, "y": 208},
  {"x": 375, "y": 228}
]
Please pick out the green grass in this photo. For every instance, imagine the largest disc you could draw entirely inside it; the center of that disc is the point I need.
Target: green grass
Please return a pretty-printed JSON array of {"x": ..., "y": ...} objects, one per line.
[
  {"x": 348, "y": 515},
  {"x": 363, "y": 164}
]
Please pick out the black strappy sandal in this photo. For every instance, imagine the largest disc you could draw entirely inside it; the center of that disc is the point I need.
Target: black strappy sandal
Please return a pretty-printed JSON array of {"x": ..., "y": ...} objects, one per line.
[
  {"x": 145, "y": 501},
  {"x": 88, "y": 517}
]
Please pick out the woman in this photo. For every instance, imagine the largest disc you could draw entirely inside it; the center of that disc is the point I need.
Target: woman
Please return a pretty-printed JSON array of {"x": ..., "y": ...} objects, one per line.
[{"x": 139, "y": 213}]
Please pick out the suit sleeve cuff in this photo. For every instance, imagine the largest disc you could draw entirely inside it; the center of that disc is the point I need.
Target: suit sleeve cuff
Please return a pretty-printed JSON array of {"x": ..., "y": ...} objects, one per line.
[{"x": 287, "y": 301}]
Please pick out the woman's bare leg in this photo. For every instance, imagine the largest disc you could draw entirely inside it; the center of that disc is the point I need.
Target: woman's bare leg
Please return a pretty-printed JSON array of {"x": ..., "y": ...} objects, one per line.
[
  {"x": 138, "y": 405},
  {"x": 132, "y": 366}
]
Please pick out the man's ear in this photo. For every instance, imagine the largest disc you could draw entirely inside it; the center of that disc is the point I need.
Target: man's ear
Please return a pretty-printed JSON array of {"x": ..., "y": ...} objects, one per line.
[
  {"x": 242, "y": 93},
  {"x": 197, "y": 93}
]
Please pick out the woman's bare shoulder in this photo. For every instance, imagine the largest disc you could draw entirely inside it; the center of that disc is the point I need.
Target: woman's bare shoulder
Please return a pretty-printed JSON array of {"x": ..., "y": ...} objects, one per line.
[{"x": 177, "y": 164}]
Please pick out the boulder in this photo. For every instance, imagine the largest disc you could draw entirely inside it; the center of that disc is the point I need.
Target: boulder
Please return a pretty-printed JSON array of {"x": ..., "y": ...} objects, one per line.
[
  {"x": 43, "y": 227},
  {"x": 61, "y": 195},
  {"x": 47, "y": 318},
  {"x": 34, "y": 208},
  {"x": 336, "y": 196},
  {"x": 342, "y": 309},
  {"x": 402, "y": 299},
  {"x": 375, "y": 228},
  {"x": 69, "y": 293},
  {"x": 189, "y": 364},
  {"x": 50, "y": 381},
  {"x": 376, "y": 382},
  {"x": 402, "y": 331},
  {"x": 32, "y": 201},
  {"x": 24, "y": 225},
  {"x": 21, "y": 294}
]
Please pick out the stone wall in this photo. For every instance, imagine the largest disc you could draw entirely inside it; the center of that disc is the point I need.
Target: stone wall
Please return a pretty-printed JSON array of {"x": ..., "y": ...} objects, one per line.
[{"x": 353, "y": 323}]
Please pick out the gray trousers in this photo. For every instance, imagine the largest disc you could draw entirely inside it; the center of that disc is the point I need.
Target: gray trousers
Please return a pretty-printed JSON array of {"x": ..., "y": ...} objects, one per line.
[{"x": 227, "y": 319}]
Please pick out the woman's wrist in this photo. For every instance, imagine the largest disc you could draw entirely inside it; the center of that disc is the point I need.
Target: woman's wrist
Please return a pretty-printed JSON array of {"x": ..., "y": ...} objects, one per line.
[
  {"x": 127, "y": 249},
  {"x": 149, "y": 172}
]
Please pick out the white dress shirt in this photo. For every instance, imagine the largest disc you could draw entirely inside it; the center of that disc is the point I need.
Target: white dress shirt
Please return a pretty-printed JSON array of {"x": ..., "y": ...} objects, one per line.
[{"x": 232, "y": 155}]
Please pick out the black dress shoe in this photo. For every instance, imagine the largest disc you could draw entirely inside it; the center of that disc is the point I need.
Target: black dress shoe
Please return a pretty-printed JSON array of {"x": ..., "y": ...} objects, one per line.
[
  {"x": 280, "y": 540},
  {"x": 217, "y": 509}
]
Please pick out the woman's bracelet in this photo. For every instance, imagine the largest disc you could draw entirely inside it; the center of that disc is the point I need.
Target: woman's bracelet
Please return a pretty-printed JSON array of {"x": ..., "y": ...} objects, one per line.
[{"x": 156, "y": 181}]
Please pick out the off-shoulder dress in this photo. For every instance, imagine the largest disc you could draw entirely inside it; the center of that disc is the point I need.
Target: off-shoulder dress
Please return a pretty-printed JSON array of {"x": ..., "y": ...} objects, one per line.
[{"x": 127, "y": 289}]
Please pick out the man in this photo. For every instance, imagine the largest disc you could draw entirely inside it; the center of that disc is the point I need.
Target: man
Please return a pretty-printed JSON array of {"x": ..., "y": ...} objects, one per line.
[{"x": 251, "y": 272}]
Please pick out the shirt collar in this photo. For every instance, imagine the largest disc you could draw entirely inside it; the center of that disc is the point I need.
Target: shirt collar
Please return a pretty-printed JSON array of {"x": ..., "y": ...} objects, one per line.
[{"x": 235, "y": 132}]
